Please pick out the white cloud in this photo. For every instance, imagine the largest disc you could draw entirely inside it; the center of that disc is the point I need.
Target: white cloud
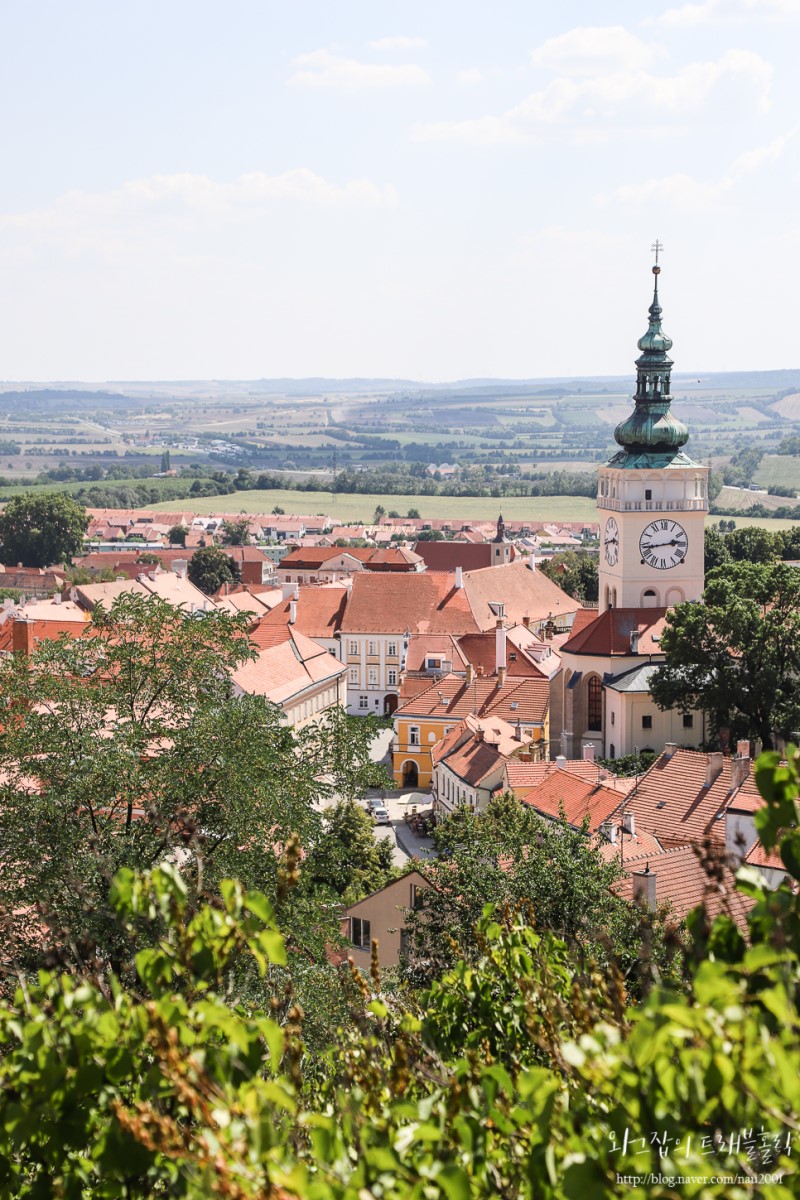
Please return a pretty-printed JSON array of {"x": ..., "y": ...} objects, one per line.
[
  {"x": 601, "y": 105},
  {"x": 470, "y": 76},
  {"x": 398, "y": 42},
  {"x": 687, "y": 194},
  {"x": 727, "y": 12},
  {"x": 321, "y": 69},
  {"x": 589, "y": 50},
  {"x": 167, "y": 199}
]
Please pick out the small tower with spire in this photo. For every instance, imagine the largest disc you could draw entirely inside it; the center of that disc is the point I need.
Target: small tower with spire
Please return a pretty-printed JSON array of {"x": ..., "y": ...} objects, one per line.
[
  {"x": 501, "y": 547},
  {"x": 652, "y": 496}
]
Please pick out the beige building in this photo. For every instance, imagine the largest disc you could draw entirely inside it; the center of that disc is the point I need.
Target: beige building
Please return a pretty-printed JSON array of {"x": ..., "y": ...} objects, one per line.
[{"x": 381, "y": 917}]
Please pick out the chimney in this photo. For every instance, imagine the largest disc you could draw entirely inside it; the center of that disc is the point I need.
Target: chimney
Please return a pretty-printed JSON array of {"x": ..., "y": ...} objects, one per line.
[
  {"x": 22, "y": 636},
  {"x": 609, "y": 831},
  {"x": 589, "y": 752},
  {"x": 459, "y": 577},
  {"x": 501, "y": 677},
  {"x": 499, "y": 644},
  {"x": 287, "y": 589},
  {"x": 447, "y": 666},
  {"x": 479, "y": 734},
  {"x": 518, "y": 731},
  {"x": 296, "y": 592},
  {"x": 180, "y": 567},
  {"x": 629, "y": 822},
  {"x": 470, "y": 673},
  {"x": 644, "y": 886},
  {"x": 292, "y": 611},
  {"x": 549, "y": 627},
  {"x": 561, "y": 762},
  {"x": 713, "y": 768},
  {"x": 526, "y": 621},
  {"x": 531, "y": 562},
  {"x": 669, "y": 749},
  {"x": 740, "y": 765},
  {"x": 635, "y": 641}
]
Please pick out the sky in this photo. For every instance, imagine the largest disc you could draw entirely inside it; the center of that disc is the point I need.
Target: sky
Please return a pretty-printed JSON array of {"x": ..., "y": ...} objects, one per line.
[{"x": 434, "y": 191}]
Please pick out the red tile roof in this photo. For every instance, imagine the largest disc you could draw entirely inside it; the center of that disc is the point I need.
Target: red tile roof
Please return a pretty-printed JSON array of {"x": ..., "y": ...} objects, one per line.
[
  {"x": 673, "y": 801},
  {"x": 319, "y": 615},
  {"x": 423, "y": 603},
  {"x": 446, "y": 556},
  {"x": 526, "y": 700},
  {"x": 610, "y": 632},
  {"x": 521, "y": 775},
  {"x": 525, "y": 593},
  {"x": 577, "y": 798},
  {"x": 682, "y": 881},
  {"x": 479, "y": 649}
]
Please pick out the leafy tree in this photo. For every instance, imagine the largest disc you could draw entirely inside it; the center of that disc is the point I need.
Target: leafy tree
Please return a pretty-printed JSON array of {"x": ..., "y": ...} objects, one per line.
[
  {"x": 507, "y": 854},
  {"x": 165, "y": 461},
  {"x": 737, "y": 654},
  {"x": 380, "y": 511},
  {"x": 520, "y": 1073},
  {"x": 177, "y": 535},
  {"x": 277, "y": 511},
  {"x": 41, "y": 528},
  {"x": 752, "y": 544},
  {"x": 414, "y": 514},
  {"x": 347, "y": 858},
  {"x": 574, "y": 572},
  {"x": 236, "y": 533},
  {"x": 210, "y": 568},
  {"x": 430, "y": 535},
  {"x": 148, "y": 558},
  {"x": 716, "y": 550}
]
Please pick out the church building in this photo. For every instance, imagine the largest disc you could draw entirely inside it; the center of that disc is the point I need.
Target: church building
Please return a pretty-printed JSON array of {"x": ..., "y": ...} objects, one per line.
[{"x": 652, "y": 500}]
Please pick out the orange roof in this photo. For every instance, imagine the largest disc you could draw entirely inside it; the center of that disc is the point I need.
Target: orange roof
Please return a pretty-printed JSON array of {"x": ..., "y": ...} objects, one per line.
[
  {"x": 673, "y": 801},
  {"x": 423, "y": 603},
  {"x": 757, "y": 856},
  {"x": 446, "y": 556},
  {"x": 441, "y": 646},
  {"x": 526, "y": 700},
  {"x": 525, "y": 593},
  {"x": 627, "y": 845},
  {"x": 578, "y": 798},
  {"x": 283, "y": 670},
  {"x": 610, "y": 632},
  {"x": 479, "y": 649},
  {"x": 485, "y": 746},
  {"x": 682, "y": 881},
  {"x": 318, "y": 615},
  {"x": 521, "y": 775}
]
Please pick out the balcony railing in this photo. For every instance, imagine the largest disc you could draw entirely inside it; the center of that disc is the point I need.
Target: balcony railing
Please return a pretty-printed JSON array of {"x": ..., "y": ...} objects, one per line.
[{"x": 697, "y": 505}]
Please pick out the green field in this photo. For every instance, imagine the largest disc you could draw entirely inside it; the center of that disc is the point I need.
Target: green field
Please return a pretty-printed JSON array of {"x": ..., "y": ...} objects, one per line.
[
  {"x": 346, "y": 508},
  {"x": 361, "y": 508}
]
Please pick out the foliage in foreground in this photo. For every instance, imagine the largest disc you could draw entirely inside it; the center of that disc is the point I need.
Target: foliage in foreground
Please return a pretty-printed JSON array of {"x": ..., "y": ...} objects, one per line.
[{"x": 520, "y": 1075}]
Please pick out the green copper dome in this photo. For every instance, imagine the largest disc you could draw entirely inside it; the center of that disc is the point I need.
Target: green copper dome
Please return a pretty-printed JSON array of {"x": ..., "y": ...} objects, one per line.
[{"x": 651, "y": 429}]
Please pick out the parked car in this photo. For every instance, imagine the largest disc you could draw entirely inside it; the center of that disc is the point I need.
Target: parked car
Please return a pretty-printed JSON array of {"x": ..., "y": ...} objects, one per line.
[
  {"x": 374, "y": 802},
  {"x": 380, "y": 815}
]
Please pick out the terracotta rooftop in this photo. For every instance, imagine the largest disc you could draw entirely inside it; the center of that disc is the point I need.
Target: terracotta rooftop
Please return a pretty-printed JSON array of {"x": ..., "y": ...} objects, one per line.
[
  {"x": 441, "y": 646},
  {"x": 485, "y": 746},
  {"x": 578, "y": 799},
  {"x": 318, "y": 615},
  {"x": 610, "y": 632},
  {"x": 526, "y": 700},
  {"x": 423, "y": 603},
  {"x": 479, "y": 649},
  {"x": 682, "y": 881},
  {"x": 683, "y": 797},
  {"x": 521, "y": 775},
  {"x": 446, "y": 556},
  {"x": 283, "y": 670},
  {"x": 525, "y": 593}
]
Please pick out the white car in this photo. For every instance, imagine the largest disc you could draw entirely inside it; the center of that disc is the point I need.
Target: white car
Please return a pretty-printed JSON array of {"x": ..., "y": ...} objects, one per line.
[{"x": 380, "y": 814}]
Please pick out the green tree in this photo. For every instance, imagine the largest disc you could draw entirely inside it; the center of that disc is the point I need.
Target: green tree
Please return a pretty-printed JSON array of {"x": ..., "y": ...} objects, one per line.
[
  {"x": 737, "y": 654},
  {"x": 346, "y": 858},
  {"x": 752, "y": 544},
  {"x": 414, "y": 514},
  {"x": 574, "y": 572},
  {"x": 507, "y": 854},
  {"x": 39, "y": 529},
  {"x": 716, "y": 550},
  {"x": 165, "y": 462},
  {"x": 380, "y": 511},
  {"x": 210, "y": 568},
  {"x": 236, "y": 533},
  {"x": 177, "y": 535}
]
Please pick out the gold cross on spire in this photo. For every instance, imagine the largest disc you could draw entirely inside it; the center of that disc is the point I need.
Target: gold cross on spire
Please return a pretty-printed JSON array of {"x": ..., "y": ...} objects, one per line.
[{"x": 656, "y": 247}]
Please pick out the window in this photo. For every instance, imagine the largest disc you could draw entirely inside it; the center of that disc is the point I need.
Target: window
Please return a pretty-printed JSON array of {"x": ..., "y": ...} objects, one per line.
[
  {"x": 512, "y": 656},
  {"x": 392, "y": 677},
  {"x": 434, "y": 664},
  {"x": 353, "y": 648},
  {"x": 415, "y": 897},
  {"x": 363, "y": 702},
  {"x": 360, "y": 933},
  {"x": 648, "y": 494},
  {"x": 613, "y": 716},
  {"x": 372, "y": 648},
  {"x": 372, "y": 680},
  {"x": 647, "y": 721},
  {"x": 413, "y": 735},
  {"x": 353, "y": 677},
  {"x": 688, "y": 721},
  {"x": 594, "y": 704},
  {"x": 391, "y": 650}
]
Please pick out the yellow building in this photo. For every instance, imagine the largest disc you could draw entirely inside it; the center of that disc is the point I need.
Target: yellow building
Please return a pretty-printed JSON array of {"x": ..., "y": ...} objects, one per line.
[{"x": 423, "y": 720}]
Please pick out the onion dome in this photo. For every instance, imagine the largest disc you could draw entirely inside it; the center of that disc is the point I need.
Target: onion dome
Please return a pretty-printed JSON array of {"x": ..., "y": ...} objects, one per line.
[{"x": 651, "y": 427}]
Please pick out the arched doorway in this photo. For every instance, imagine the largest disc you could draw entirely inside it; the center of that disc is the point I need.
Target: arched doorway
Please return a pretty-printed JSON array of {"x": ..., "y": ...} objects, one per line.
[
  {"x": 390, "y": 704},
  {"x": 410, "y": 774}
]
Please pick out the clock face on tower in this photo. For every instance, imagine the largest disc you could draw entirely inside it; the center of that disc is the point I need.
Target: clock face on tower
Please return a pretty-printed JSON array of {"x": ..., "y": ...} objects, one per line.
[
  {"x": 663, "y": 544},
  {"x": 611, "y": 541}
]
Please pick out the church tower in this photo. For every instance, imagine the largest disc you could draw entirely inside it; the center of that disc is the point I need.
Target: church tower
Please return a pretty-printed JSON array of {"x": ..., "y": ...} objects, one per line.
[
  {"x": 652, "y": 497},
  {"x": 501, "y": 547}
]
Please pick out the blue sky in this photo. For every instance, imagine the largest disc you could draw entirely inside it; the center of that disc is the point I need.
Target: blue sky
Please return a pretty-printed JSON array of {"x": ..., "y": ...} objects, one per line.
[{"x": 428, "y": 190}]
